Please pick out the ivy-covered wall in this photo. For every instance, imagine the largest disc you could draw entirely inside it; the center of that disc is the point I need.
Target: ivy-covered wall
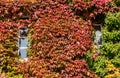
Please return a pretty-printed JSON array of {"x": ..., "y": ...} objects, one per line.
[
  {"x": 107, "y": 63},
  {"x": 111, "y": 37},
  {"x": 8, "y": 46},
  {"x": 60, "y": 38}
]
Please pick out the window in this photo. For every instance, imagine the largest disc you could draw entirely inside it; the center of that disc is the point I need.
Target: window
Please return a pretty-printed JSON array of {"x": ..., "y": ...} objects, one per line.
[
  {"x": 23, "y": 42},
  {"x": 98, "y": 36}
]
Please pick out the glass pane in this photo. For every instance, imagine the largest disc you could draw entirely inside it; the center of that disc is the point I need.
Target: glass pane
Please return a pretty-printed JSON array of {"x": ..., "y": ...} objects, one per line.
[
  {"x": 23, "y": 42},
  {"x": 98, "y": 38},
  {"x": 23, "y": 53}
]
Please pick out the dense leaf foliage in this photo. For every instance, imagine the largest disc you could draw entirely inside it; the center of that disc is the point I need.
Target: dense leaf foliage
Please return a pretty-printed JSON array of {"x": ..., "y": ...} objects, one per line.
[
  {"x": 57, "y": 45},
  {"x": 112, "y": 70},
  {"x": 12, "y": 18},
  {"x": 110, "y": 51},
  {"x": 8, "y": 46},
  {"x": 60, "y": 38},
  {"x": 61, "y": 42},
  {"x": 111, "y": 37},
  {"x": 95, "y": 10}
]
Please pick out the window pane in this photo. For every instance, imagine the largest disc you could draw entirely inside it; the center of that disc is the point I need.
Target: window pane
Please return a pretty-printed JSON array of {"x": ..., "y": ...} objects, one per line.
[
  {"x": 23, "y": 53},
  {"x": 23, "y": 42}
]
